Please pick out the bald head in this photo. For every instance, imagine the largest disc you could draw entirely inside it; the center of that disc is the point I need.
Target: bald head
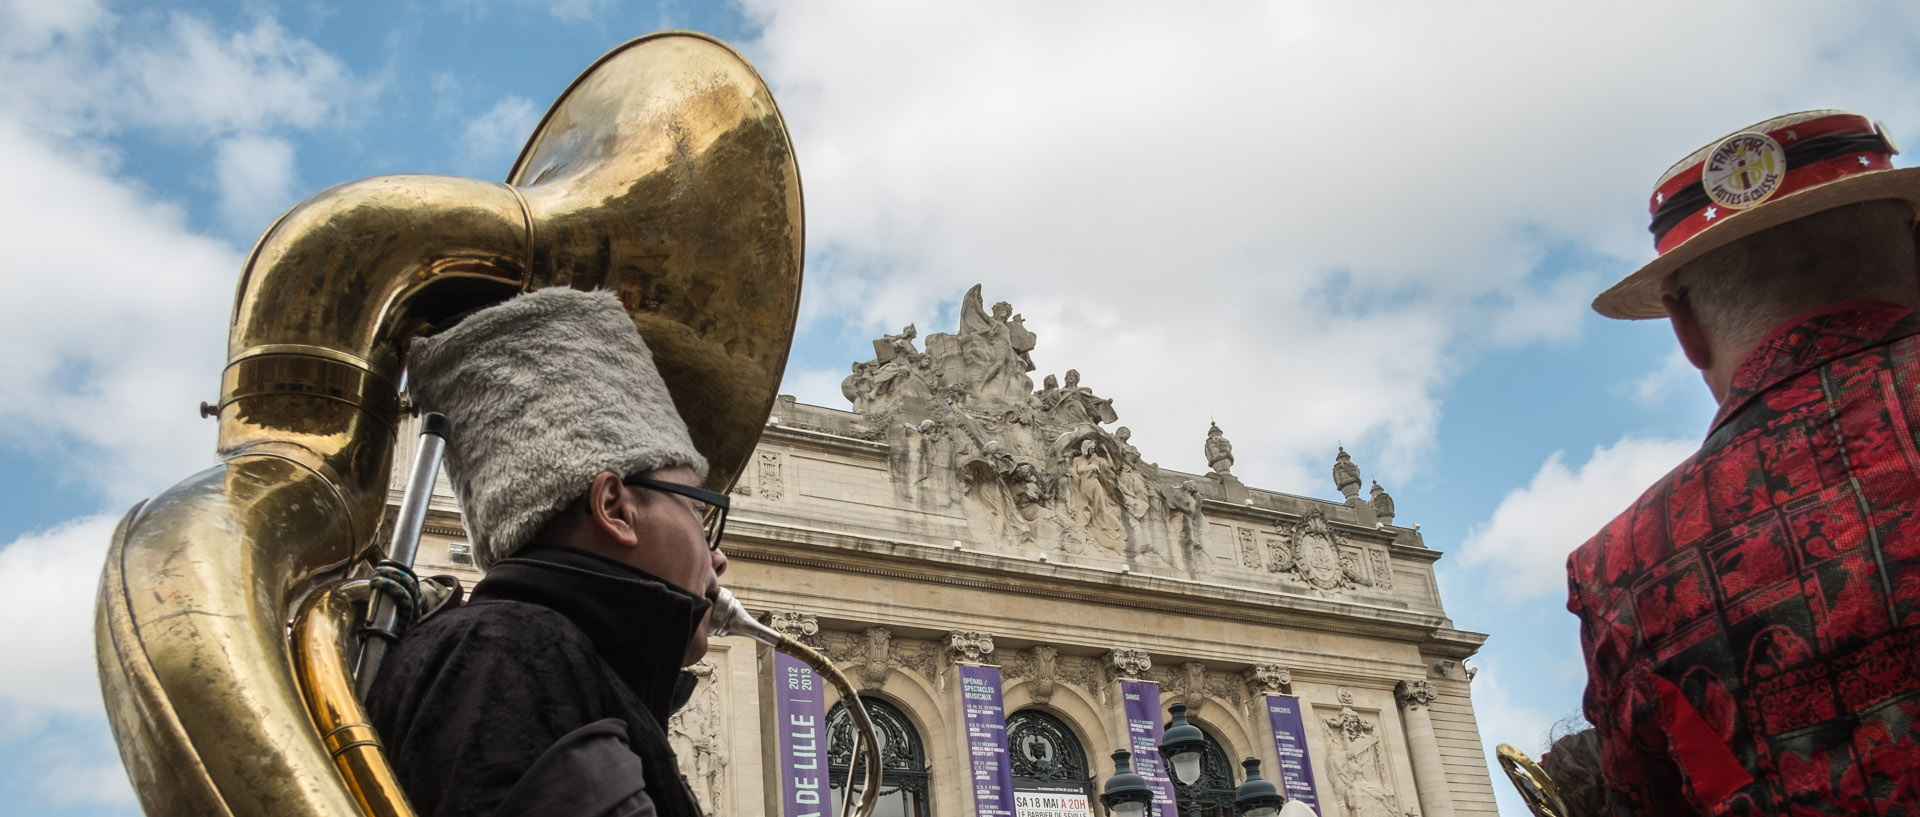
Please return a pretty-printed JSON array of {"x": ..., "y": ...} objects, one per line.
[{"x": 1723, "y": 303}]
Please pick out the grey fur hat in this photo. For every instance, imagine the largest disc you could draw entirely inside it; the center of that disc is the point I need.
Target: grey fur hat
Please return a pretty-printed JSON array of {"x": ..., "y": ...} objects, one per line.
[{"x": 545, "y": 392}]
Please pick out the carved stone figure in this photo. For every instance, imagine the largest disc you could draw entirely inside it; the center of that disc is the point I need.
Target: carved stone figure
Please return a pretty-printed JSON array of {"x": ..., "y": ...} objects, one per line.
[
  {"x": 1382, "y": 504},
  {"x": 1219, "y": 452},
  {"x": 1346, "y": 476},
  {"x": 1093, "y": 479},
  {"x": 994, "y": 364},
  {"x": 1133, "y": 494},
  {"x": 1183, "y": 507},
  {"x": 1358, "y": 765},
  {"x": 1049, "y": 393},
  {"x": 1077, "y": 404},
  {"x": 1125, "y": 436},
  {"x": 696, "y": 736},
  {"x": 889, "y": 347},
  {"x": 1023, "y": 339},
  {"x": 990, "y": 475}
]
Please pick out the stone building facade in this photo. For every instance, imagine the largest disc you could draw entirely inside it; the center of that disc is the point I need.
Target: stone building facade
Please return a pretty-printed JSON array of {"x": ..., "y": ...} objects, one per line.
[{"x": 959, "y": 515}]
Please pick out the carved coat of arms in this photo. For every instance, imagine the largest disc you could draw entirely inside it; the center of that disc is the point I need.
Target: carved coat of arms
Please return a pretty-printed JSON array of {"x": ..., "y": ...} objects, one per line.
[{"x": 1311, "y": 553}]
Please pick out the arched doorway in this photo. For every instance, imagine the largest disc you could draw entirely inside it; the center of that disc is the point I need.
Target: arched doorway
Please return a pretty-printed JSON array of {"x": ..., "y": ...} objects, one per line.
[
  {"x": 1212, "y": 794},
  {"x": 1048, "y": 761},
  {"x": 903, "y": 759}
]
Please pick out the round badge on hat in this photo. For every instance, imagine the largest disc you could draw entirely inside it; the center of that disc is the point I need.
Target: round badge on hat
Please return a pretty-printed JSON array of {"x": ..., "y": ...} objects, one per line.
[{"x": 1745, "y": 169}]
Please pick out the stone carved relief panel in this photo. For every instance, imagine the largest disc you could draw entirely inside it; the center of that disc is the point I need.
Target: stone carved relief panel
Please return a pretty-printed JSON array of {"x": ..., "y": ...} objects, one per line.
[
  {"x": 697, "y": 733},
  {"x": 768, "y": 483},
  {"x": 1361, "y": 783},
  {"x": 1382, "y": 572}
]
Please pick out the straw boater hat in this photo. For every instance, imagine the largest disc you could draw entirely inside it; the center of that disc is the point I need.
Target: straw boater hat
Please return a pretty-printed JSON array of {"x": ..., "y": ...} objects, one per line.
[
  {"x": 545, "y": 392},
  {"x": 1762, "y": 176}
]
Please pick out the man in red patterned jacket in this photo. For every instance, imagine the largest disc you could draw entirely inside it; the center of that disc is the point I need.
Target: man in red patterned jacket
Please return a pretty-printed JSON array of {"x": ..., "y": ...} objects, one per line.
[{"x": 1752, "y": 624}]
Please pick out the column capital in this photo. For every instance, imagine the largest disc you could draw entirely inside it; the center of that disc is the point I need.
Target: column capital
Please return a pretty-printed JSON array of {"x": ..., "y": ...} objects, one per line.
[{"x": 1414, "y": 693}]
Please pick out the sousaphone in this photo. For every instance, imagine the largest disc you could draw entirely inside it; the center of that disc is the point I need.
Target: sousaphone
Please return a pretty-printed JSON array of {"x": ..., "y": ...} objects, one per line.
[{"x": 664, "y": 173}]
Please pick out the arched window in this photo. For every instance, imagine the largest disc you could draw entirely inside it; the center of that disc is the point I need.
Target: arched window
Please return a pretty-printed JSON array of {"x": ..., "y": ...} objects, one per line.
[
  {"x": 903, "y": 761},
  {"x": 1045, "y": 754},
  {"x": 1212, "y": 794}
]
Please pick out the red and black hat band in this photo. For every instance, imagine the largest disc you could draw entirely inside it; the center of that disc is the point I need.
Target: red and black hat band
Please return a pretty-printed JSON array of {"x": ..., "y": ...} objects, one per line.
[{"x": 1690, "y": 199}]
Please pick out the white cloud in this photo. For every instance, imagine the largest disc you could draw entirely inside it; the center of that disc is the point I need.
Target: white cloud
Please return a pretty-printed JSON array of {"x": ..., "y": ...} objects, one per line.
[
  {"x": 1301, "y": 220},
  {"x": 46, "y": 585},
  {"x": 819, "y": 387},
  {"x": 490, "y": 141},
  {"x": 1674, "y": 373},
  {"x": 255, "y": 179},
  {"x": 115, "y": 317},
  {"x": 1534, "y": 528},
  {"x": 1502, "y": 720},
  {"x": 199, "y": 79}
]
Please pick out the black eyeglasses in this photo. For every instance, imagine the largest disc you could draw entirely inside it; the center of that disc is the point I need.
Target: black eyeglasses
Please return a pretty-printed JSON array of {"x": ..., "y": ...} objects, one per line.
[{"x": 714, "y": 514}]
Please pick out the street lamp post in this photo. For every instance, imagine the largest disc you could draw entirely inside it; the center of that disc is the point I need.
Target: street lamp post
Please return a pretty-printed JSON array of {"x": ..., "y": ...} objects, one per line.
[
  {"x": 1257, "y": 797},
  {"x": 1126, "y": 794},
  {"x": 1183, "y": 746}
]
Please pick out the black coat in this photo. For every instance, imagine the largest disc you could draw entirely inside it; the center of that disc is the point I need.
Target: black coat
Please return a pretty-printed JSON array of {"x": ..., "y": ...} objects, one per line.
[{"x": 547, "y": 693}]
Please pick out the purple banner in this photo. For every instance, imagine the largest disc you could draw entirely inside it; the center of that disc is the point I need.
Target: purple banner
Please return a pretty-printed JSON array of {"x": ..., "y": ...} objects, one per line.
[
  {"x": 1142, "y": 704},
  {"x": 987, "y": 741},
  {"x": 1290, "y": 745},
  {"x": 800, "y": 723}
]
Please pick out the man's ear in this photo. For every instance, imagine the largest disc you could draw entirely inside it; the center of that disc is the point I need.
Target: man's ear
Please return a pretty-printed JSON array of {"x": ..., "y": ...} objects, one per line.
[
  {"x": 609, "y": 512},
  {"x": 1687, "y": 329}
]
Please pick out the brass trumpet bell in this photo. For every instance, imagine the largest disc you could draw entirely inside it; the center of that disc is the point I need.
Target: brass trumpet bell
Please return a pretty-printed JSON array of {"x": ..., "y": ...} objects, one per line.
[{"x": 664, "y": 174}]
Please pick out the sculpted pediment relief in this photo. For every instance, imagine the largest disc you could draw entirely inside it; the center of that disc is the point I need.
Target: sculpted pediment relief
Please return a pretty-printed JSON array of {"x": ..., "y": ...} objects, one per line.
[{"x": 1044, "y": 470}]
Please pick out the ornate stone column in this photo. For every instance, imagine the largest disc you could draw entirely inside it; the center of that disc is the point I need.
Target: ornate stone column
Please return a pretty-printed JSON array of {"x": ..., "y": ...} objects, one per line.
[{"x": 1429, "y": 774}]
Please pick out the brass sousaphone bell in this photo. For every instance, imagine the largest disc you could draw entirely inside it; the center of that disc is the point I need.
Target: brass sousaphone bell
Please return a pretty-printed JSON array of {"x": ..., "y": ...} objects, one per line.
[{"x": 664, "y": 173}]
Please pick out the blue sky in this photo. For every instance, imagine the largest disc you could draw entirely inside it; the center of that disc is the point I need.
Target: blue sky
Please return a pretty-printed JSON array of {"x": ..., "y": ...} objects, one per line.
[{"x": 1374, "y": 224}]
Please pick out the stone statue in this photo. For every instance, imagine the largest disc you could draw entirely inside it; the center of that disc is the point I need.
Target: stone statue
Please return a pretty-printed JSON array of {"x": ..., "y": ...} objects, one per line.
[
  {"x": 1183, "y": 501},
  {"x": 1049, "y": 393},
  {"x": 989, "y": 347},
  {"x": 1077, "y": 404},
  {"x": 889, "y": 347},
  {"x": 990, "y": 476},
  {"x": 1093, "y": 477},
  {"x": 1382, "y": 504},
  {"x": 1133, "y": 493},
  {"x": 1346, "y": 476},
  {"x": 1125, "y": 436},
  {"x": 858, "y": 387},
  {"x": 1219, "y": 452},
  {"x": 1023, "y": 338}
]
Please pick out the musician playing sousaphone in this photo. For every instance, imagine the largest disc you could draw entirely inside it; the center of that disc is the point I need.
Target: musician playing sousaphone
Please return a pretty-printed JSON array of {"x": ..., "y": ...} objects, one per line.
[
  {"x": 548, "y": 692},
  {"x": 607, "y": 330}
]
